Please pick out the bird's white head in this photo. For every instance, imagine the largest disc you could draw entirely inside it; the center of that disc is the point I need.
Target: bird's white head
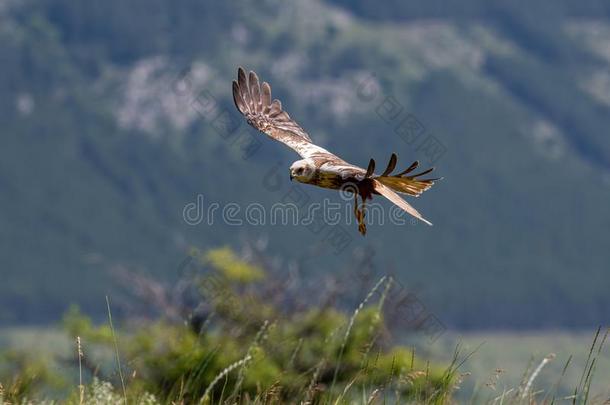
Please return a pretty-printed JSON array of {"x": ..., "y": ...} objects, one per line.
[{"x": 302, "y": 170}]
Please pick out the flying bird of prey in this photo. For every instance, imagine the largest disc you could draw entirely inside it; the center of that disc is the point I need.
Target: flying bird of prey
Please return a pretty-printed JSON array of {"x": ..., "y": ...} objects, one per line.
[{"x": 319, "y": 167}]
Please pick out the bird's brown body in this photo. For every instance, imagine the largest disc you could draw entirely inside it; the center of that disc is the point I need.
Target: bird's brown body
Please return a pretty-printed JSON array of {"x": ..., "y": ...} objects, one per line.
[{"x": 333, "y": 181}]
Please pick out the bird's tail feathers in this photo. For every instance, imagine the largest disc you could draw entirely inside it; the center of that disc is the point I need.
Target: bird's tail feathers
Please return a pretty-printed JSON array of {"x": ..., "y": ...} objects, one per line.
[{"x": 388, "y": 193}]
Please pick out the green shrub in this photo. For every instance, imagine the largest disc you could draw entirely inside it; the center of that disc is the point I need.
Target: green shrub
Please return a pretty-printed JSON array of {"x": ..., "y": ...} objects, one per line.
[{"x": 247, "y": 346}]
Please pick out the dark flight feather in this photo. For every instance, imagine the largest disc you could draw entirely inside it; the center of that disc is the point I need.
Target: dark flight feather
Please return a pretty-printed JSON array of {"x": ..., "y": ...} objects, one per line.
[{"x": 391, "y": 165}]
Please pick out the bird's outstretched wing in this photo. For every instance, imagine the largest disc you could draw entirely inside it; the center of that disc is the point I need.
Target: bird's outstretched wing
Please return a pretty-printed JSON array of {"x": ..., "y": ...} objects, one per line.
[
  {"x": 404, "y": 182},
  {"x": 253, "y": 100}
]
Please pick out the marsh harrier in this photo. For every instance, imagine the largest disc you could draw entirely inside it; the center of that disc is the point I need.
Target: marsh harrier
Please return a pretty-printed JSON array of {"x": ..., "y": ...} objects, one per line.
[{"x": 319, "y": 167}]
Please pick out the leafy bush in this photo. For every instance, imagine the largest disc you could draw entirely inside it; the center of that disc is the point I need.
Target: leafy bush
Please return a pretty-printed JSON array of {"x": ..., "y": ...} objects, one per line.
[
  {"x": 236, "y": 345},
  {"x": 234, "y": 332}
]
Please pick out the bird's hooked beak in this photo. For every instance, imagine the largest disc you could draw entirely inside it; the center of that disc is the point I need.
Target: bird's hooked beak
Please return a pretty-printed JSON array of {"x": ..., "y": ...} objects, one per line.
[{"x": 291, "y": 176}]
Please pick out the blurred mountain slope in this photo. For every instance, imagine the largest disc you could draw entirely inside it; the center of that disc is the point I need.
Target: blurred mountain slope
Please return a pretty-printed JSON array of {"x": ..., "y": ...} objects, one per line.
[{"x": 103, "y": 145}]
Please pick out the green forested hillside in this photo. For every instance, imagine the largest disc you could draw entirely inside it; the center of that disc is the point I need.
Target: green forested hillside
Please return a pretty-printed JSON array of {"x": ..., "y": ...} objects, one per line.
[{"x": 103, "y": 146}]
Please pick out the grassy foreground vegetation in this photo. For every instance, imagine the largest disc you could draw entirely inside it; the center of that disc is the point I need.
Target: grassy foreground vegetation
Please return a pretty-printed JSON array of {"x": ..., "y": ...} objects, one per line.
[{"x": 231, "y": 332}]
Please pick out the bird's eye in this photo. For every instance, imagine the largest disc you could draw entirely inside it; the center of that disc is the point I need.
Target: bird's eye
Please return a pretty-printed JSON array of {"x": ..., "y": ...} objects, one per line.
[{"x": 300, "y": 171}]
